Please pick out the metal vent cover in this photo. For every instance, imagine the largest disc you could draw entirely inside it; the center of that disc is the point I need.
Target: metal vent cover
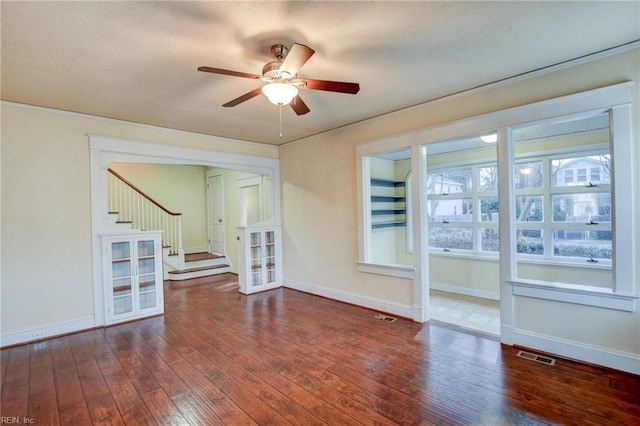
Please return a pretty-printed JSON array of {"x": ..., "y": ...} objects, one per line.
[
  {"x": 537, "y": 358},
  {"x": 384, "y": 318}
]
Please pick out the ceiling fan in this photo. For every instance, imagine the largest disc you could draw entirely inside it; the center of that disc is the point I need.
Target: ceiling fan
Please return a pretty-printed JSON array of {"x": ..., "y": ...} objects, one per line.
[{"x": 282, "y": 79}]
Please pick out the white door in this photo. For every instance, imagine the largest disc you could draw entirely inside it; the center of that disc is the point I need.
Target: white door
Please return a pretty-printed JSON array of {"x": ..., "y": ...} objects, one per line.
[{"x": 215, "y": 213}]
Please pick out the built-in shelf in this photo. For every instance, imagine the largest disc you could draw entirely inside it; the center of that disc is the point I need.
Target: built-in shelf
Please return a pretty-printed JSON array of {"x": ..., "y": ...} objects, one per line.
[
  {"x": 132, "y": 275},
  {"x": 258, "y": 259},
  {"x": 388, "y": 204}
]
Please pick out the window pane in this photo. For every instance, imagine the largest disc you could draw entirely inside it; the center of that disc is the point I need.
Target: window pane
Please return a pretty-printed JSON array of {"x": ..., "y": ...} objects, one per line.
[
  {"x": 529, "y": 241},
  {"x": 573, "y": 171},
  {"x": 582, "y": 243},
  {"x": 489, "y": 209},
  {"x": 582, "y": 207},
  {"x": 529, "y": 208},
  {"x": 450, "y": 182},
  {"x": 451, "y": 238},
  {"x": 488, "y": 178},
  {"x": 489, "y": 239},
  {"x": 527, "y": 175},
  {"x": 450, "y": 210},
  {"x": 568, "y": 176}
]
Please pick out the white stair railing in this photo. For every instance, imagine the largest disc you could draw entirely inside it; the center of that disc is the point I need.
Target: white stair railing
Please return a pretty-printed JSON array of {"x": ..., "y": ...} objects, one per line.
[{"x": 133, "y": 205}]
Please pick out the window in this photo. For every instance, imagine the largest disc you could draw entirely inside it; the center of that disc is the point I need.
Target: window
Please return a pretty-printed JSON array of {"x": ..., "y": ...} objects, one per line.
[
  {"x": 585, "y": 209},
  {"x": 559, "y": 220},
  {"x": 562, "y": 216},
  {"x": 462, "y": 197},
  {"x": 559, "y": 214}
]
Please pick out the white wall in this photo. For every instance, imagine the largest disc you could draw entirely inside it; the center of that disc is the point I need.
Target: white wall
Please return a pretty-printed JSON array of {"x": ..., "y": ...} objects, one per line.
[
  {"x": 46, "y": 216},
  {"x": 320, "y": 210}
]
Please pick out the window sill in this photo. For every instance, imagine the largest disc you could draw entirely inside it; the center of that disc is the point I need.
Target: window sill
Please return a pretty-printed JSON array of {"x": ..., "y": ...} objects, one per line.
[
  {"x": 522, "y": 259},
  {"x": 576, "y": 294},
  {"x": 398, "y": 271}
]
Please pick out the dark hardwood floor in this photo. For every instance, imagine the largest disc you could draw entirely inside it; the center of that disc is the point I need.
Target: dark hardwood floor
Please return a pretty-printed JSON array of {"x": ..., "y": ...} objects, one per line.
[{"x": 285, "y": 357}]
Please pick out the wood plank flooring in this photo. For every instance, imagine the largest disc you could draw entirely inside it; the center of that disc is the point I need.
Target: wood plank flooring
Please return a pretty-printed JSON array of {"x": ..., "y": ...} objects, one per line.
[{"x": 285, "y": 357}]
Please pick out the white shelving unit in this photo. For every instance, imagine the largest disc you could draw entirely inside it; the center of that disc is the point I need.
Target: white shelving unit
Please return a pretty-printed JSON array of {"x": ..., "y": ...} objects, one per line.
[
  {"x": 259, "y": 265},
  {"x": 388, "y": 204},
  {"x": 132, "y": 275}
]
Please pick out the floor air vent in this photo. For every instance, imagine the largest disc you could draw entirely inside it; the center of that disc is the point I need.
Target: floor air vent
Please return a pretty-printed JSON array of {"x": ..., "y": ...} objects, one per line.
[
  {"x": 384, "y": 318},
  {"x": 537, "y": 358}
]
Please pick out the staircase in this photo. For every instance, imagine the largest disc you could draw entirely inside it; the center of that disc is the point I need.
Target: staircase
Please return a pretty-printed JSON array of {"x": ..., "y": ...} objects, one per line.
[
  {"x": 199, "y": 265},
  {"x": 131, "y": 208}
]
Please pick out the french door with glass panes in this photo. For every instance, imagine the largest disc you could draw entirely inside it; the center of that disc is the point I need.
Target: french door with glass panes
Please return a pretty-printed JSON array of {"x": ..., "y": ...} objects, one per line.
[{"x": 132, "y": 275}]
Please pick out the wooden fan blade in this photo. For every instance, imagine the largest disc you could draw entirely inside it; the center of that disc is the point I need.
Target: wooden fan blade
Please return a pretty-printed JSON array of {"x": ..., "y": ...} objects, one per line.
[
  {"x": 228, "y": 72},
  {"x": 299, "y": 106},
  {"x": 332, "y": 86},
  {"x": 298, "y": 55},
  {"x": 245, "y": 97}
]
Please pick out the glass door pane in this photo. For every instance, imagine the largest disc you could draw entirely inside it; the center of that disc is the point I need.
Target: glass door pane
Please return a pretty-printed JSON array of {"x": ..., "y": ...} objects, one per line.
[
  {"x": 120, "y": 250},
  {"x": 145, "y": 248}
]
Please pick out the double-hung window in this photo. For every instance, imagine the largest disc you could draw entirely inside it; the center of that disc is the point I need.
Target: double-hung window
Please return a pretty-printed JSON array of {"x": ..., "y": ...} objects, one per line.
[
  {"x": 562, "y": 213},
  {"x": 462, "y": 208}
]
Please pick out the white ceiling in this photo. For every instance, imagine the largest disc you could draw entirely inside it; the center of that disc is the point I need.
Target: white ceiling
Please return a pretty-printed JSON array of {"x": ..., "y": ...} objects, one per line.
[{"x": 137, "y": 61}]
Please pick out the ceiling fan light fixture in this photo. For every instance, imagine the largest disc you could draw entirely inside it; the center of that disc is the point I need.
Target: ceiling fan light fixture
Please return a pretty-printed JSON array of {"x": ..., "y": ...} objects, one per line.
[
  {"x": 490, "y": 138},
  {"x": 280, "y": 93}
]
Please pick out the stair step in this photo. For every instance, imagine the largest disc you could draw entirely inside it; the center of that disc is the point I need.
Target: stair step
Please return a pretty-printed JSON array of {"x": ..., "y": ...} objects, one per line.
[
  {"x": 228, "y": 278},
  {"x": 203, "y": 255},
  {"x": 203, "y": 268}
]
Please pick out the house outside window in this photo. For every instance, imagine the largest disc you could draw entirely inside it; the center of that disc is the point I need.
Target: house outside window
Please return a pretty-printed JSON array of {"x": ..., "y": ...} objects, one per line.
[{"x": 568, "y": 176}]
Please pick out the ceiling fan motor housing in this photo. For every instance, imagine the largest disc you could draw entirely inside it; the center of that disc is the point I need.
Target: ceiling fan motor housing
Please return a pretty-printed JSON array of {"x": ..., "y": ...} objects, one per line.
[{"x": 271, "y": 71}]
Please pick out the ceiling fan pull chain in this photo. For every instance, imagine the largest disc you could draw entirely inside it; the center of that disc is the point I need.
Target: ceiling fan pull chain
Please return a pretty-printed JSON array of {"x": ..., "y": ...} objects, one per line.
[{"x": 280, "y": 121}]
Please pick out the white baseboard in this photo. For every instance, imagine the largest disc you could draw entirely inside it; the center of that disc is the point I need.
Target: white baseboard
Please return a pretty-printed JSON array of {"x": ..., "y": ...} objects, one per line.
[
  {"x": 47, "y": 331},
  {"x": 623, "y": 361},
  {"x": 466, "y": 291},
  {"x": 376, "y": 304}
]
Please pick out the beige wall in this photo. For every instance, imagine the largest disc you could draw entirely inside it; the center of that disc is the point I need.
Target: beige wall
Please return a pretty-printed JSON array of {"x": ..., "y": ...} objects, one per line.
[
  {"x": 232, "y": 212},
  {"x": 46, "y": 239},
  {"x": 46, "y": 216},
  {"x": 319, "y": 196},
  {"x": 181, "y": 189}
]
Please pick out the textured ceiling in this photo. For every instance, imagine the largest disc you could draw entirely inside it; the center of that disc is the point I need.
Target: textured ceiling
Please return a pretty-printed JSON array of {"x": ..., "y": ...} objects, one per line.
[{"x": 137, "y": 61}]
